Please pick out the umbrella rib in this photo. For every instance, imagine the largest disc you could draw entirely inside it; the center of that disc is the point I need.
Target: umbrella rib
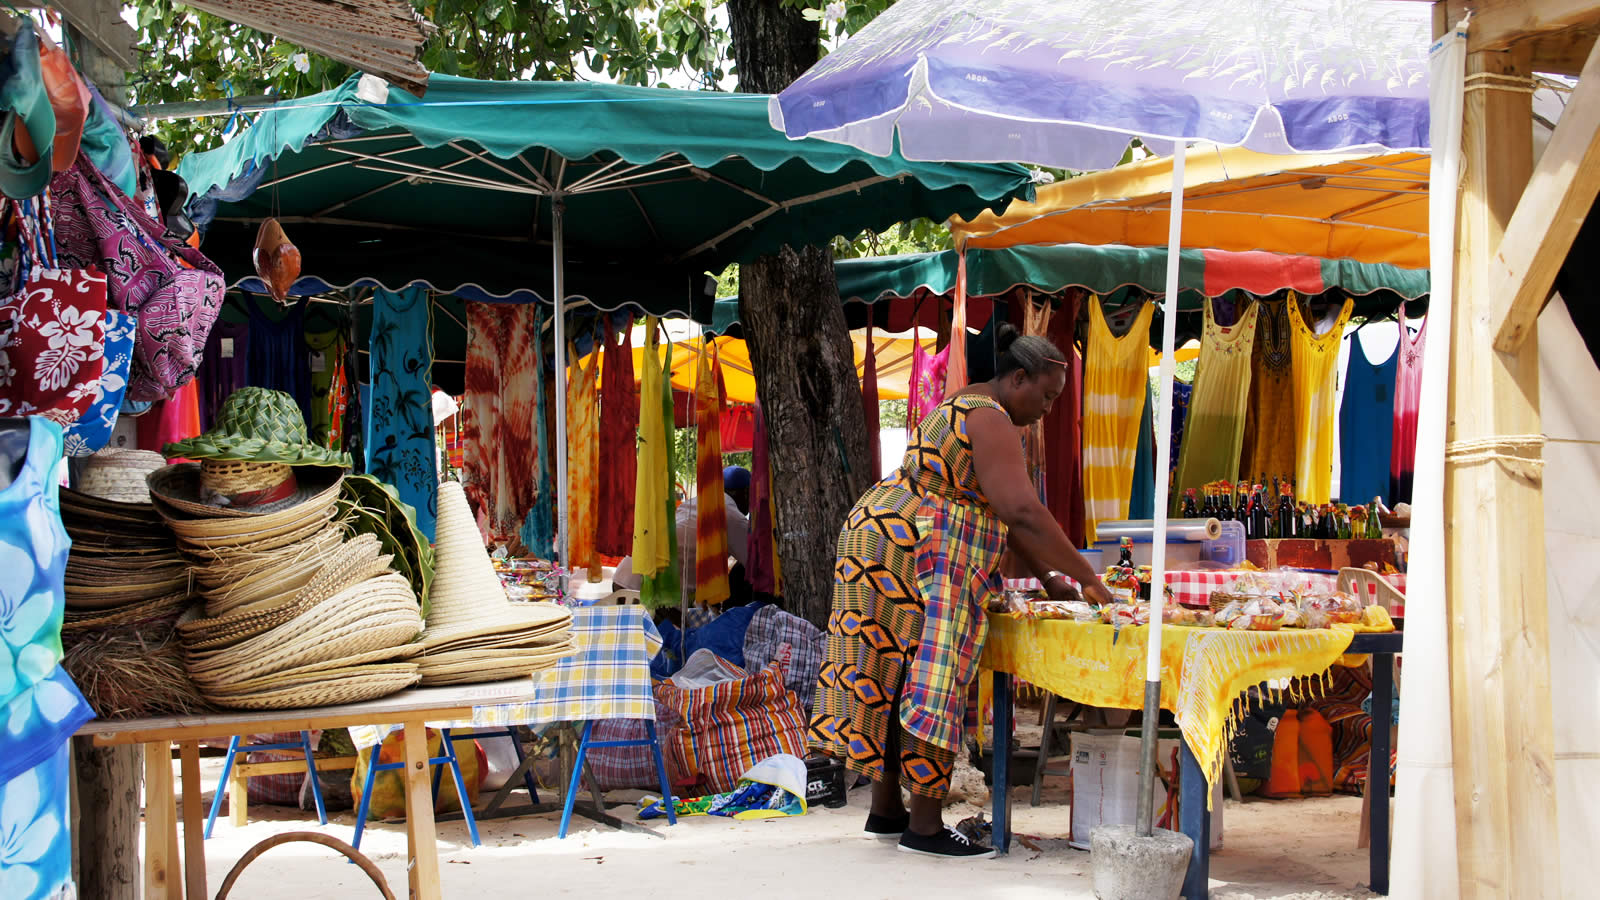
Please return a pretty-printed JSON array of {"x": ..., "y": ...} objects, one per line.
[
  {"x": 452, "y": 177},
  {"x": 493, "y": 163},
  {"x": 617, "y": 182},
  {"x": 377, "y": 190},
  {"x": 784, "y": 205},
  {"x": 648, "y": 223},
  {"x": 323, "y": 168},
  {"x": 581, "y": 183}
]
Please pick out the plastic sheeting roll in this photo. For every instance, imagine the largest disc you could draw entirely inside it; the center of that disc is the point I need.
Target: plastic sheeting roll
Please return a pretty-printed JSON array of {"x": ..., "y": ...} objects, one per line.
[{"x": 1142, "y": 530}]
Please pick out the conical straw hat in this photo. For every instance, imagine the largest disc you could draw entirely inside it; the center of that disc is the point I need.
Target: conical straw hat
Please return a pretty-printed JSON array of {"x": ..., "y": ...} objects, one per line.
[{"x": 467, "y": 598}]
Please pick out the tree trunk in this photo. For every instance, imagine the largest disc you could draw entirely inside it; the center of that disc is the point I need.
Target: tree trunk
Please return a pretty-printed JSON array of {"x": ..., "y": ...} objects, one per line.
[
  {"x": 106, "y": 834},
  {"x": 800, "y": 349}
]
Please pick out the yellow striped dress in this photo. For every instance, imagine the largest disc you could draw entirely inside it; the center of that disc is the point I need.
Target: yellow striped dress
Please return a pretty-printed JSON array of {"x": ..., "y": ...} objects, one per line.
[{"x": 1116, "y": 374}]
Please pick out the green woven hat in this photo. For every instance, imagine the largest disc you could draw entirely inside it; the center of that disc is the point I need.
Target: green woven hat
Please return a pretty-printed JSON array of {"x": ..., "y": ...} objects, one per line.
[{"x": 258, "y": 425}]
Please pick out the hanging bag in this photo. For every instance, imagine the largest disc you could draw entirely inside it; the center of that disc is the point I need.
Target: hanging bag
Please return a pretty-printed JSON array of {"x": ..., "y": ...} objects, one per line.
[
  {"x": 52, "y": 327},
  {"x": 173, "y": 290},
  {"x": 93, "y": 429}
]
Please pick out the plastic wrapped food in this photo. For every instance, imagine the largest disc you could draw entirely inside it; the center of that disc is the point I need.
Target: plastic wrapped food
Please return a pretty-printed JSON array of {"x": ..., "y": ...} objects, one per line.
[
  {"x": 1337, "y": 608},
  {"x": 1260, "y": 614},
  {"x": 1015, "y": 603},
  {"x": 1076, "y": 610},
  {"x": 1123, "y": 614},
  {"x": 1178, "y": 615}
]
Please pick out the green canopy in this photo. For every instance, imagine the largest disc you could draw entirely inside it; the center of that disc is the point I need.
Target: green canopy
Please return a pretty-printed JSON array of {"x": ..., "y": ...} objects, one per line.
[
  {"x": 1106, "y": 269},
  {"x": 650, "y": 180}
]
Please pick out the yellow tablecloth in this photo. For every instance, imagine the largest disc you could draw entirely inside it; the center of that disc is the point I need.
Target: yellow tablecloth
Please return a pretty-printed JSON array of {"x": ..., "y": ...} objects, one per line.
[{"x": 1204, "y": 671}]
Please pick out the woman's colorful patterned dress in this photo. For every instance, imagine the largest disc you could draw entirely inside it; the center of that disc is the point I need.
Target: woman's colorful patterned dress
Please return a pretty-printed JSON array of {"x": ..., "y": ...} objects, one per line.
[{"x": 917, "y": 558}]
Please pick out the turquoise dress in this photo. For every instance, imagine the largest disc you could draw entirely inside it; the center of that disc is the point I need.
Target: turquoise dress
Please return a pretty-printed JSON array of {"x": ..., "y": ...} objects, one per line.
[{"x": 42, "y": 707}]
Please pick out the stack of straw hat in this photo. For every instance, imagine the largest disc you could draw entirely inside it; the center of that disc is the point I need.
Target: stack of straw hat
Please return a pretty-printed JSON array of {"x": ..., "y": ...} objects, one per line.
[
  {"x": 124, "y": 567},
  {"x": 474, "y": 632},
  {"x": 126, "y": 586},
  {"x": 295, "y": 615}
]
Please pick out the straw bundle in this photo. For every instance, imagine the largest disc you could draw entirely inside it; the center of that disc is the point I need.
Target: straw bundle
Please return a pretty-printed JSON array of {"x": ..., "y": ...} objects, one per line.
[{"x": 132, "y": 673}]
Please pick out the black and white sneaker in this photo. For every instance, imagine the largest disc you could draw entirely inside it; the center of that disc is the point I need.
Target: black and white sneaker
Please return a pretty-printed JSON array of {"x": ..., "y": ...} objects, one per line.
[
  {"x": 887, "y": 828},
  {"x": 947, "y": 843}
]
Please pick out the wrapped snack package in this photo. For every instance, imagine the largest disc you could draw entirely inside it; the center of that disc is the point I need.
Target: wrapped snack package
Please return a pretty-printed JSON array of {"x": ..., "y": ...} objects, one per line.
[
  {"x": 1337, "y": 608},
  {"x": 1015, "y": 603},
  {"x": 1123, "y": 614},
  {"x": 1076, "y": 610},
  {"x": 1260, "y": 614},
  {"x": 1177, "y": 615}
]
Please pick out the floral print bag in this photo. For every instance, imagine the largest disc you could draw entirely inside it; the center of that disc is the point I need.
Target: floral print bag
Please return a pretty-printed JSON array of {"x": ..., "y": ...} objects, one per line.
[{"x": 52, "y": 327}]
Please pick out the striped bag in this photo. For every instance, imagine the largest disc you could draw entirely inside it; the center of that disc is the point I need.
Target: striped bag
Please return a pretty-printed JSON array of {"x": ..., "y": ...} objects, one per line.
[{"x": 712, "y": 735}]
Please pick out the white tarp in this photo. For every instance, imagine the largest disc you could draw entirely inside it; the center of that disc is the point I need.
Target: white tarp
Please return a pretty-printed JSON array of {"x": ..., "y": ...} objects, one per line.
[{"x": 1569, "y": 382}]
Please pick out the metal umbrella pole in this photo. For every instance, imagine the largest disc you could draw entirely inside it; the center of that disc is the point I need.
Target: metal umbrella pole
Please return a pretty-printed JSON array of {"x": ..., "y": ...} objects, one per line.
[
  {"x": 1158, "y": 540},
  {"x": 557, "y": 212}
]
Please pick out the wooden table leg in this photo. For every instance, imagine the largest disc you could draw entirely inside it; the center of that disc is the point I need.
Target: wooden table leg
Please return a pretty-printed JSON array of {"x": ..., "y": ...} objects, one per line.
[
  {"x": 194, "y": 823},
  {"x": 421, "y": 840},
  {"x": 161, "y": 865}
]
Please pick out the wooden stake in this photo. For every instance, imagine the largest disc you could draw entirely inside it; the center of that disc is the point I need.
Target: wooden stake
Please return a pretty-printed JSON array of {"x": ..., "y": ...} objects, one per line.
[
  {"x": 162, "y": 880},
  {"x": 1507, "y": 842},
  {"x": 194, "y": 822},
  {"x": 108, "y": 781},
  {"x": 421, "y": 840}
]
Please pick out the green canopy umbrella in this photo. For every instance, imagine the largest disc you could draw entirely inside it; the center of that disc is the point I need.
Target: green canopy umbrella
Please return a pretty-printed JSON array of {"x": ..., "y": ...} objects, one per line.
[
  {"x": 603, "y": 174},
  {"x": 1104, "y": 269}
]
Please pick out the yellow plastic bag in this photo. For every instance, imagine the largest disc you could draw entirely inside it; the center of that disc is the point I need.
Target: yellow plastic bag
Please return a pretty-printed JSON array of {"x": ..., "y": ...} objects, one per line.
[{"x": 389, "y": 787}]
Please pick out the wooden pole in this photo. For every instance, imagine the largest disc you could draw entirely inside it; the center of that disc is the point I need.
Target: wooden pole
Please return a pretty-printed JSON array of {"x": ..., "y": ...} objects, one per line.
[
  {"x": 107, "y": 827},
  {"x": 1501, "y": 723}
]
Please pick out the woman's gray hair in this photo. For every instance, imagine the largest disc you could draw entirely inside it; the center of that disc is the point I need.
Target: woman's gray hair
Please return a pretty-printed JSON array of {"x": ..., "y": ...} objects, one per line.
[{"x": 1031, "y": 354}]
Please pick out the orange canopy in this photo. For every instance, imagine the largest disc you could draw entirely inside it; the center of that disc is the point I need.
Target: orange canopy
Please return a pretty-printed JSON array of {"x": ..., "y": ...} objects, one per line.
[{"x": 1371, "y": 209}]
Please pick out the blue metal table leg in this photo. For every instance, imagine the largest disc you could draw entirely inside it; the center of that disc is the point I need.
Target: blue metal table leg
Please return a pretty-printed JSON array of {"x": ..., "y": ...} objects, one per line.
[
  {"x": 453, "y": 762},
  {"x": 661, "y": 773},
  {"x": 1378, "y": 769},
  {"x": 222, "y": 784},
  {"x": 311, "y": 774},
  {"x": 576, "y": 777},
  {"x": 366, "y": 796},
  {"x": 1194, "y": 820},
  {"x": 1002, "y": 764}
]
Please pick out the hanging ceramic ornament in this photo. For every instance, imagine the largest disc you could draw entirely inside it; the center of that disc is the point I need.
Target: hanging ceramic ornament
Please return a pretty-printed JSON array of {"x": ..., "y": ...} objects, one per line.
[{"x": 277, "y": 261}]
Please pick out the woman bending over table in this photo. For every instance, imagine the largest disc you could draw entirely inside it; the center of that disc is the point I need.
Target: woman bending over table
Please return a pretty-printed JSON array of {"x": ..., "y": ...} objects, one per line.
[{"x": 917, "y": 559}]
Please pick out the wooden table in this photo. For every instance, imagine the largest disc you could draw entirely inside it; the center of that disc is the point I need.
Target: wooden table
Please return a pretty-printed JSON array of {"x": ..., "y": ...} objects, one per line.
[
  {"x": 412, "y": 708},
  {"x": 1194, "y": 817}
]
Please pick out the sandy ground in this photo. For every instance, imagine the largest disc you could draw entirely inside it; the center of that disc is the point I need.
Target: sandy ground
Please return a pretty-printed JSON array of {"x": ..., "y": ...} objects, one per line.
[{"x": 1273, "y": 849}]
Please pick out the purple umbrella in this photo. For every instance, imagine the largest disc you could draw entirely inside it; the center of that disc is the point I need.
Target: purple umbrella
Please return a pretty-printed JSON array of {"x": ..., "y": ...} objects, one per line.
[{"x": 1070, "y": 83}]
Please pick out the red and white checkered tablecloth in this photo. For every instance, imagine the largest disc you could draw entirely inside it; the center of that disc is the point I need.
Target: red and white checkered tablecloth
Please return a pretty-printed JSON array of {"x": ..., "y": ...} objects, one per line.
[{"x": 1193, "y": 588}]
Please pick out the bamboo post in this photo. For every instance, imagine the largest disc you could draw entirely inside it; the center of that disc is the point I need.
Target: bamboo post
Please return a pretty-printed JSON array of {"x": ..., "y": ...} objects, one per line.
[{"x": 1501, "y": 722}]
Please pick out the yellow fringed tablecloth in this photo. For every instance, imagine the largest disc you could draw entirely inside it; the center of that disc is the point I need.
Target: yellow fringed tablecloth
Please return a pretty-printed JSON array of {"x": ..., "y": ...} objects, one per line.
[{"x": 1204, "y": 671}]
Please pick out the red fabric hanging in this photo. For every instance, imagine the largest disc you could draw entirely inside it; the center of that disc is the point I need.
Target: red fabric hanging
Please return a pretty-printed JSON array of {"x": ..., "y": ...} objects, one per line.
[
  {"x": 619, "y": 452},
  {"x": 762, "y": 561},
  {"x": 176, "y": 418},
  {"x": 1063, "y": 434},
  {"x": 738, "y": 429},
  {"x": 869, "y": 401}
]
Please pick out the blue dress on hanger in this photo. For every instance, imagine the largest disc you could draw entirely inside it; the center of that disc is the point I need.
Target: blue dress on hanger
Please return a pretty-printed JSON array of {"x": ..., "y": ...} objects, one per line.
[
  {"x": 42, "y": 707},
  {"x": 1366, "y": 426}
]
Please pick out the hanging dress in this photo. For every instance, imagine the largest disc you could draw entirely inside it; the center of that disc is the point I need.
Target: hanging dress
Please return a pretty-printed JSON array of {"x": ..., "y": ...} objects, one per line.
[
  {"x": 327, "y": 348},
  {"x": 763, "y": 571},
  {"x": 927, "y": 383},
  {"x": 1407, "y": 395},
  {"x": 222, "y": 370},
  {"x": 43, "y": 705},
  {"x": 1316, "y": 377},
  {"x": 1214, "y": 424},
  {"x": 1142, "y": 489},
  {"x": 916, "y": 559},
  {"x": 619, "y": 437},
  {"x": 711, "y": 519},
  {"x": 869, "y": 400},
  {"x": 655, "y": 531},
  {"x": 1115, "y": 382},
  {"x": 1269, "y": 435},
  {"x": 1366, "y": 425},
  {"x": 1062, "y": 427},
  {"x": 582, "y": 456},
  {"x": 400, "y": 442},
  {"x": 500, "y": 415}
]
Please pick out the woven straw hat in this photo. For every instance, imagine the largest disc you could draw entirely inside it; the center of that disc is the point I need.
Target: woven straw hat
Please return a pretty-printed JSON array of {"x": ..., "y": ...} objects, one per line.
[
  {"x": 358, "y": 684},
  {"x": 181, "y": 499},
  {"x": 467, "y": 599},
  {"x": 259, "y": 425},
  {"x": 118, "y": 474}
]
